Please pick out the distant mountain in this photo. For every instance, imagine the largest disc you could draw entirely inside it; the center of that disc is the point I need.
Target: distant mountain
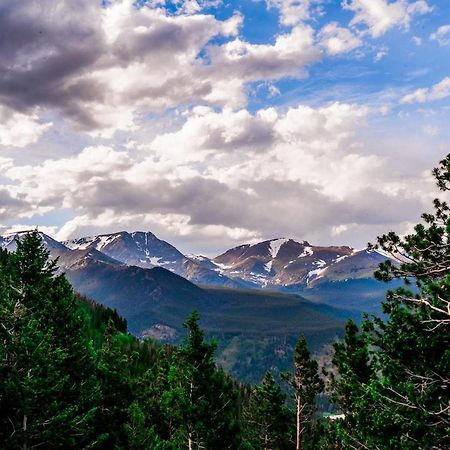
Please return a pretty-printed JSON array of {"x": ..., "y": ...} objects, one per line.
[
  {"x": 8, "y": 241},
  {"x": 144, "y": 249},
  {"x": 336, "y": 275},
  {"x": 286, "y": 264},
  {"x": 281, "y": 264}
]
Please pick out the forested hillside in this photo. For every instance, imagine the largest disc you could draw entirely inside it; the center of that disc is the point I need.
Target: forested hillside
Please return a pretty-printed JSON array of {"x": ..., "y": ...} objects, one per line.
[{"x": 72, "y": 377}]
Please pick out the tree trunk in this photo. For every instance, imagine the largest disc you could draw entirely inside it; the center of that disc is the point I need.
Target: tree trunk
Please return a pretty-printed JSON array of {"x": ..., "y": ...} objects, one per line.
[
  {"x": 298, "y": 440},
  {"x": 24, "y": 428},
  {"x": 190, "y": 443}
]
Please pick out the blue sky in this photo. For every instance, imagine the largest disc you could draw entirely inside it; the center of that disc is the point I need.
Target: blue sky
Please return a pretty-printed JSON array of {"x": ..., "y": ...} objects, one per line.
[{"x": 213, "y": 123}]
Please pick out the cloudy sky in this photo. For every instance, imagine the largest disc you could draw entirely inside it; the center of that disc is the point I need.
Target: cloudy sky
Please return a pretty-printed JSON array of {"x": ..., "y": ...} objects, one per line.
[{"x": 215, "y": 122}]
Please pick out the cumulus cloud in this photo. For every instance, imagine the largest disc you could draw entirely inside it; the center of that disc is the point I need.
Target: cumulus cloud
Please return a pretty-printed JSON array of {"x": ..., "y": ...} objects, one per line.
[
  {"x": 240, "y": 60},
  {"x": 379, "y": 16},
  {"x": 436, "y": 92},
  {"x": 192, "y": 160},
  {"x": 336, "y": 39},
  {"x": 20, "y": 130},
  {"x": 225, "y": 176},
  {"x": 292, "y": 12},
  {"x": 50, "y": 230},
  {"x": 103, "y": 68},
  {"x": 441, "y": 35}
]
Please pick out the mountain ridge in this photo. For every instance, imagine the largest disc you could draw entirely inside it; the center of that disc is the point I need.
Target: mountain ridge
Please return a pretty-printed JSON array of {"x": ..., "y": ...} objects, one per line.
[{"x": 282, "y": 263}]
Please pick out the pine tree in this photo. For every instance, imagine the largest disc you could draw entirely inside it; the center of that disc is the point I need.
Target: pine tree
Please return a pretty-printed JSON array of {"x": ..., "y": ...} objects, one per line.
[
  {"x": 200, "y": 402},
  {"x": 49, "y": 390},
  {"x": 351, "y": 358},
  {"x": 305, "y": 383},
  {"x": 349, "y": 389},
  {"x": 113, "y": 368},
  {"x": 268, "y": 421}
]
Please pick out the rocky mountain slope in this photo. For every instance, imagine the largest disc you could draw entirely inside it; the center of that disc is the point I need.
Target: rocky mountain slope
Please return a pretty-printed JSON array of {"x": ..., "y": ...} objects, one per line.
[
  {"x": 144, "y": 249},
  {"x": 285, "y": 263},
  {"x": 282, "y": 264}
]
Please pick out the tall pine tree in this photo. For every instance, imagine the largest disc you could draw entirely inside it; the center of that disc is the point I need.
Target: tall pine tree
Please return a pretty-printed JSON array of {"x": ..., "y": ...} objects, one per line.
[
  {"x": 200, "y": 402},
  {"x": 268, "y": 421},
  {"x": 48, "y": 387},
  {"x": 305, "y": 383}
]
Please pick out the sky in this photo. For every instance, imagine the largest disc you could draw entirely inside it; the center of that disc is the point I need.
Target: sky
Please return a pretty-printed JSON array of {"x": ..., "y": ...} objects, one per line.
[{"x": 213, "y": 123}]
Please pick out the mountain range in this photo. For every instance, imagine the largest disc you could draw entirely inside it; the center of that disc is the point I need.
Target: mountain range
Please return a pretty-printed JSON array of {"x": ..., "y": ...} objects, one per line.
[
  {"x": 281, "y": 264},
  {"x": 154, "y": 286}
]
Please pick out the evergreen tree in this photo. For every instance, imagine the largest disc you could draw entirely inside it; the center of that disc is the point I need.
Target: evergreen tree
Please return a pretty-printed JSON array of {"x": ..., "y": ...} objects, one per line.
[
  {"x": 268, "y": 421},
  {"x": 306, "y": 384},
  {"x": 114, "y": 374},
  {"x": 200, "y": 402},
  {"x": 349, "y": 389},
  {"x": 49, "y": 391},
  {"x": 352, "y": 360}
]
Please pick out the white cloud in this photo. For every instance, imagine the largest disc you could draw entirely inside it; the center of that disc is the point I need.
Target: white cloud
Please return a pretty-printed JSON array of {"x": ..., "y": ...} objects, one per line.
[
  {"x": 9, "y": 229},
  {"x": 222, "y": 177},
  {"x": 273, "y": 90},
  {"x": 339, "y": 229},
  {"x": 292, "y": 12},
  {"x": 54, "y": 183},
  {"x": 381, "y": 54},
  {"x": 120, "y": 63},
  {"x": 436, "y": 92},
  {"x": 336, "y": 39},
  {"x": 288, "y": 56},
  {"x": 192, "y": 161},
  {"x": 441, "y": 35},
  {"x": 417, "y": 40},
  {"x": 379, "y": 16},
  {"x": 20, "y": 130}
]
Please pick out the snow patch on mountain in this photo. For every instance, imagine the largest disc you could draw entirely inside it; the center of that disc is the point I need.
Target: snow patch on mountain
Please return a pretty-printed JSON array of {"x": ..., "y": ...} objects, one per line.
[
  {"x": 315, "y": 274},
  {"x": 275, "y": 245},
  {"x": 155, "y": 261},
  {"x": 308, "y": 251},
  {"x": 105, "y": 240},
  {"x": 340, "y": 258},
  {"x": 320, "y": 263},
  {"x": 197, "y": 257},
  {"x": 80, "y": 244},
  {"x": 222, "y": 266}
]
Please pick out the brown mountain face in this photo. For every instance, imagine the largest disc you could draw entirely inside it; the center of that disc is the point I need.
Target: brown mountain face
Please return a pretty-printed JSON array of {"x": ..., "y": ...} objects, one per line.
[{"x": 285, "y": 262}]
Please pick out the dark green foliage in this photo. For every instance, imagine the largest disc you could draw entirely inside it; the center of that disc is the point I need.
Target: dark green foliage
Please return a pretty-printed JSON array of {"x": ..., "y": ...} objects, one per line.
[
  {"x": 351, "y": 358},
  {"x": 305, "y": 384},
  {"x": 49, "y": 393},
  {"x": 200, "y": 401},
  {"x": 70, "y": 376},
  {"x": 268, "y": 422}
]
